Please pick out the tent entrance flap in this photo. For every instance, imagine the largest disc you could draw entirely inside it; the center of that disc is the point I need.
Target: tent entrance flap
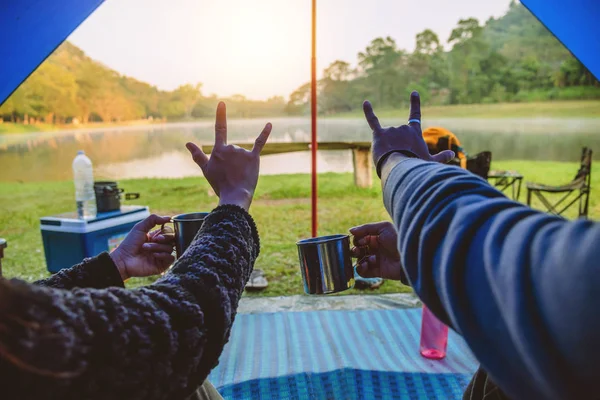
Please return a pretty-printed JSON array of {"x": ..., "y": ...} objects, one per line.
[{"x": 34, "y": 29}]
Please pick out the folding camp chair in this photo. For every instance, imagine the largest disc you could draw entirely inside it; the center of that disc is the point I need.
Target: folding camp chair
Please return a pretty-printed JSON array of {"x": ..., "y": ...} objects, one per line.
[
  {"x": 480, "y": 164},
  {"x": 504, "y": 180},
  {"x": 580, "y": 186}
]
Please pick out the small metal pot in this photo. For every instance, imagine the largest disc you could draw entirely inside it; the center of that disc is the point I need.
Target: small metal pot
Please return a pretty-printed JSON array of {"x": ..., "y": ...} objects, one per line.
[
  {"x": 108, "y": 196},
  {"x": 186, "y": 227},
  {"x": 326, "y": 264}
]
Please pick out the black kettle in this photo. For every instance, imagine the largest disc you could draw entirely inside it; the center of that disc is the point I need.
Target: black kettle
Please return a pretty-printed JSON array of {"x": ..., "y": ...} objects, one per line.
[{"x": 108, "y": 196}]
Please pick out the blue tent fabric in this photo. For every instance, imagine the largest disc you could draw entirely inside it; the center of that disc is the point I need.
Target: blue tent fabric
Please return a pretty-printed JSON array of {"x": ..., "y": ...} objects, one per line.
[
  {"x": 31, "y": 30},
  {"x": 576, "y": 24},
  {"x": 351, "y": 384},
  {"x": 338, "y": 354}
]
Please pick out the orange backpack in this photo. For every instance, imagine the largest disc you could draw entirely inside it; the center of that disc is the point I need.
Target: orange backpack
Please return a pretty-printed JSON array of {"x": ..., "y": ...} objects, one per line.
[{"x": 439, "y": 139}]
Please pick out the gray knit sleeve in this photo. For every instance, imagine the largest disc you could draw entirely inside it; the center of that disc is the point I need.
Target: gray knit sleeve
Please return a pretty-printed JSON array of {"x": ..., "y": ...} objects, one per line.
[
  {"x": 96, "y": 272},
  {"x": 155, "y": 342}
]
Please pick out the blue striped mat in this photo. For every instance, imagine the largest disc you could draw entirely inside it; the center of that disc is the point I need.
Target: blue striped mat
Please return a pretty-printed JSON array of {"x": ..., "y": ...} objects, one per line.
[{"x": 370, "y": 354}]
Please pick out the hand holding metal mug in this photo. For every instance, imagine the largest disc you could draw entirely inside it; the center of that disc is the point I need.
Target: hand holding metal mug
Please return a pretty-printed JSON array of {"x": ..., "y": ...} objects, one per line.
[
  {"x": 186, "y": 228},
  {"x": 326, "y": 264},
  {"x": 144, "y": 252},
  {"x": 377, "y": 251}
]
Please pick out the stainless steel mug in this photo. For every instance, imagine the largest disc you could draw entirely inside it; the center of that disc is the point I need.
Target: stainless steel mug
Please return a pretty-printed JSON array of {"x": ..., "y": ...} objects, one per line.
[
  {"x": 186, "y": 227},
  {"x": 326, "y": 264}
]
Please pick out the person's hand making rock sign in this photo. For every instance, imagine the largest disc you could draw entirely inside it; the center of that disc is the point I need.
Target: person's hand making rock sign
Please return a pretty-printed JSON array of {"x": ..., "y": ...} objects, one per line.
[
  {"x": 231, "y": 171},
  {"x": 405, "y": 139}
]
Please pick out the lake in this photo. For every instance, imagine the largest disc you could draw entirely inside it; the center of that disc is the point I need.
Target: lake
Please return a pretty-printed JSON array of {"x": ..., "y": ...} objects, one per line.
[{"x": 159, "y": 150}]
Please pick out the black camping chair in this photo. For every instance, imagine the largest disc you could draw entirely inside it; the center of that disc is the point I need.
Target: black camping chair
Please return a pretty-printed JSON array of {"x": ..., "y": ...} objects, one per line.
[
  {"x": 480, "y": 164},
  {"x": 580, "y": 186}
]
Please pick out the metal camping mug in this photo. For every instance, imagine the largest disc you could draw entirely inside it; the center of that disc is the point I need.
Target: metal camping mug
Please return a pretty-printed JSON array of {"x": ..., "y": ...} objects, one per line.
[
  {"x": 326, "y": 264},
  {"x": 186, "y": 227}
]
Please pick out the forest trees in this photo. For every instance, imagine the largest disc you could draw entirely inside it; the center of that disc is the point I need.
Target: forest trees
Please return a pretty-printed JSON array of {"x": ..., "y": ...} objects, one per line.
[{"x": 512, "y": 58}]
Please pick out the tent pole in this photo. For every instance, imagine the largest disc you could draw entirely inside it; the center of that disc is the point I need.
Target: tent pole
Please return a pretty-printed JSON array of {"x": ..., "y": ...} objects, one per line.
[{"x": 313, "y": 110}]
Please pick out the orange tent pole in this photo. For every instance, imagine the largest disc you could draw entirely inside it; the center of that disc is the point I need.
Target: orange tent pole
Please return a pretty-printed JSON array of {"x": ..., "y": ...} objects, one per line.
[{"x": 313, "y": 112}]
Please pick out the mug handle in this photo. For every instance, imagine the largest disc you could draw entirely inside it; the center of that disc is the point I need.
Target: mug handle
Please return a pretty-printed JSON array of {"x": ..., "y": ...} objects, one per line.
[
  {"x": 162, "y": 228},
  {"x": 364, "y": 252}
]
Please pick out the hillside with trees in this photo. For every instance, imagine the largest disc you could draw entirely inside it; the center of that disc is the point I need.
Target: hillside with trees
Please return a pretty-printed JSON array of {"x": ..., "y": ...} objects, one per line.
[
  {"x": 509, "y": 59},
  {"x": 71, "y": 87}
]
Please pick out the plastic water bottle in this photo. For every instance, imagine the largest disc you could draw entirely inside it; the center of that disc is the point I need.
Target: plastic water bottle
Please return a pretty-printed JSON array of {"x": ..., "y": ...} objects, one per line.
[
  {"x": 84, "y": 186},
  {"x": 434, "y": 336}
]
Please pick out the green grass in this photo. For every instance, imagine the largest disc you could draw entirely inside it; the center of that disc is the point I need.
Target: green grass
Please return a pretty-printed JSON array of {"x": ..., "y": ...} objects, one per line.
[
  {"x": 281, "y": 210},
  {"x": 547, "y": 109}
]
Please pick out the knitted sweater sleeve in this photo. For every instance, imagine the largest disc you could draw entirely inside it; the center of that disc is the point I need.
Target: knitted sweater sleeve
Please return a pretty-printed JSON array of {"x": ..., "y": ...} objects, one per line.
[
  {"x": 156, "y": 342},
  {"x": 96, "y": 272}
]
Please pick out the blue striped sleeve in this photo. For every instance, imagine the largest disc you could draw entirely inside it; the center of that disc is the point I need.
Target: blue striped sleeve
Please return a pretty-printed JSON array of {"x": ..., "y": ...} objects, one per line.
[{"x": 521, "y": 286}]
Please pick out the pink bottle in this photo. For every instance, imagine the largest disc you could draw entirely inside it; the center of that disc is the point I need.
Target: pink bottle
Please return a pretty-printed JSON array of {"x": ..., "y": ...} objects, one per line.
[{"x": 434, "y": 336}]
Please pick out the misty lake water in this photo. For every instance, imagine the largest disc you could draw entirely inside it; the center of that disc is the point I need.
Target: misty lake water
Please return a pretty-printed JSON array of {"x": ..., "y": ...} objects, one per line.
[{"x": 159, "y": 151}]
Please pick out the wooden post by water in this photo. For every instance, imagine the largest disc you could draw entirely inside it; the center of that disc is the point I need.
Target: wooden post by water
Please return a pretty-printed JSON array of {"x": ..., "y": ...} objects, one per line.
[{"x": 363, "y": 173}]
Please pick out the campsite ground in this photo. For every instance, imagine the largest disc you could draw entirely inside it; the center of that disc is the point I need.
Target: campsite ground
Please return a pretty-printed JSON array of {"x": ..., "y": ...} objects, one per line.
[{"x": 281, "y": 210}]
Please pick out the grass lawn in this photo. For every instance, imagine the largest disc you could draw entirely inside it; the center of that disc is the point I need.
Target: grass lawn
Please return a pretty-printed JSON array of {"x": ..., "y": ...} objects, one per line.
[
  {"x": 281, "y": 210},
  {"x": 547, "y": 109}
]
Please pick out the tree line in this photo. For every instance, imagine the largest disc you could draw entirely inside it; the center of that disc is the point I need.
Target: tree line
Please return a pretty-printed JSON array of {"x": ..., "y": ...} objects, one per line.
[
  {"x": 71, "y": 87},
  {"x": 512, "y": 58},
  {"x": 509, "y": 59}
]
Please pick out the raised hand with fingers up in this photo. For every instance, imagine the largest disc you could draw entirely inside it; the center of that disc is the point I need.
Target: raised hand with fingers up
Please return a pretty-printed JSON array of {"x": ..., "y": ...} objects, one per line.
[
  {"x": 406, "y": 139},
  {"x": 231, "y": 171}
]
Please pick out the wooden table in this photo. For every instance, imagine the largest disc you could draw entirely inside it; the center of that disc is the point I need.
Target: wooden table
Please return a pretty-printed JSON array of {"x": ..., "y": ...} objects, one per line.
[
  {"x": 507, "y": 179},
  {"x": 361, "y": 154}
]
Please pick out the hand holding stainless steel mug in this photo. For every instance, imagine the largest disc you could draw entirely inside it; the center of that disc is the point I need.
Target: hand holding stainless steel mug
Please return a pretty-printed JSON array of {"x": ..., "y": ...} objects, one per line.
[
  {"x": 377, "y": 251},
  {"x": 326, "y": 264},
  {"x": 144, "y": 252},
  {"x": 231, "y": 171}
]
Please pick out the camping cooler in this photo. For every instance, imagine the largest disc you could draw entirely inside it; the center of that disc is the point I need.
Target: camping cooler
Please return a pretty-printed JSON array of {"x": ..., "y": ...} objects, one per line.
[{"x": 68, "y": 240}]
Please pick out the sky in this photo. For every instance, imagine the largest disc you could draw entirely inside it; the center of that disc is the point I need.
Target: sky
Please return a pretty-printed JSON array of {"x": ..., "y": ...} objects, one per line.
[{"x": 258, "y": 48}]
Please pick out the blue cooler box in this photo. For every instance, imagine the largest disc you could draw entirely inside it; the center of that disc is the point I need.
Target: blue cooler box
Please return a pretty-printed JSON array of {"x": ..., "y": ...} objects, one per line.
[{"x": 68, "y": 240}]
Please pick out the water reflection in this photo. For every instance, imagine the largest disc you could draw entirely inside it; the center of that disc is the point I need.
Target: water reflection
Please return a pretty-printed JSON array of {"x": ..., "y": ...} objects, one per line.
[
  {"x": 158, "y": 150},
  {"x": 179, "y": 165}
]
